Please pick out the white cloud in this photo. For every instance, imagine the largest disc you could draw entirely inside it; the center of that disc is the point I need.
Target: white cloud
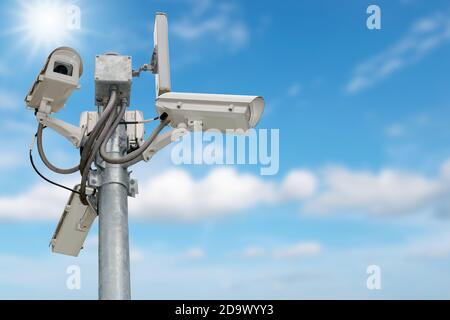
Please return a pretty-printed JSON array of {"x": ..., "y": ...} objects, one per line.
[
  {"x": 299, "y": 184},
  {"x": 3, "y": 70},
  {"x": 175, "y": 194},
  {"x": 213, "y": 22},
  {"x": 253, "y": 252},
  {"x": 414, "y": 125},
  {"x": 299, "y": 250},
  {"x": 329, "y": 275},
  {"x": 294, "y": 90},
  {"x": 293, "y": 251},
  {"x": 18, "y": 126},
  {"x": 136, "y": 255},
  {"x": 91, "y": 242},
  {"x": 427, "y": 247},
  {"x": 388, "y": 192},
  {"x": 42, "y": 202},
  {"x": 286, "y": 97},
  {"x": 10, "y": 160},
  {"x": 436, "y": 250},
  {"x": 195, "y": 253},
  {"x": 9, "y": 101},
  {"x": 424, "y": 36},
  {"x": 445, "y": 169},
  {"x": 395, "y": 130}
]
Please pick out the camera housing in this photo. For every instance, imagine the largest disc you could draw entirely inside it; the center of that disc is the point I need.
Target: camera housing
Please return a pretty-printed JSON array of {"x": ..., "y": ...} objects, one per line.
[
  {"x": 73, "y": 226},
  {"x": 211, "y": 111},
  {"x": 59, "y": 77}
]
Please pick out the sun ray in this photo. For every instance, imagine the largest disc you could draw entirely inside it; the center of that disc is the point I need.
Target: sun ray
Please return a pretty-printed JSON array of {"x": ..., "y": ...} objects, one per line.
[{"x": 41, "y": 25}]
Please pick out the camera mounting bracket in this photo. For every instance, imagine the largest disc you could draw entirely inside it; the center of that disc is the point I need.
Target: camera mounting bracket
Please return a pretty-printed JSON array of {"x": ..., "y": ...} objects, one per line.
[
  {"x": 70, "y": 132},
  {"x": 163, "y": 141}
]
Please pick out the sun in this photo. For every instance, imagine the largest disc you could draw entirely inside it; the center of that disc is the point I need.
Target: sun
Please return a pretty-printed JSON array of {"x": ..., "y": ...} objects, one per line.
[{"x": 43, "y": 24}]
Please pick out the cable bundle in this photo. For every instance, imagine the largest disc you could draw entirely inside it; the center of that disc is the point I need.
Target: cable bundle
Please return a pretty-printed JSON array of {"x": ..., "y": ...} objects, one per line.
[{"x": 96, "y": 142}]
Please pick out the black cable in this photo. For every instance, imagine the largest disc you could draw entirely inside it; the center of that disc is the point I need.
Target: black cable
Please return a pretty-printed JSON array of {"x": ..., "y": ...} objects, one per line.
[
  {"x": 93, "y": 145},
  {"x": 136, "y": 153},
  {"x": 140, "y": 122},
  {"x": 46, "y": 179}
]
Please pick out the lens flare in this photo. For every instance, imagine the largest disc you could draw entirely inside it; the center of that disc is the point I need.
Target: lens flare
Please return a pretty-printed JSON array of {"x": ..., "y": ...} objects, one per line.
[{"x": 43, "y": 25}]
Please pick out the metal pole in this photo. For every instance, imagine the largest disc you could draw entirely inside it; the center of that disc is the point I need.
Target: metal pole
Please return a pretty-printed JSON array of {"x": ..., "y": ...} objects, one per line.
[{"x": 114, "y": 257}]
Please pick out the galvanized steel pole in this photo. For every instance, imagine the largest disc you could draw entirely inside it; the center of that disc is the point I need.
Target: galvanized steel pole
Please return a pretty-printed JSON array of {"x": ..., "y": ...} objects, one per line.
[{"x": 114, "y": 257}]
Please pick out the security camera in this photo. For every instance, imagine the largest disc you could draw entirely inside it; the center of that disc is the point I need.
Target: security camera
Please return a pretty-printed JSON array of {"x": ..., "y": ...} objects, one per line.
[
  {"x": 73, "y": 226},
  {"x": 211, "y": 111},
  {"x": 191, "y": 110},
  {"x": 56, "y": 81}
]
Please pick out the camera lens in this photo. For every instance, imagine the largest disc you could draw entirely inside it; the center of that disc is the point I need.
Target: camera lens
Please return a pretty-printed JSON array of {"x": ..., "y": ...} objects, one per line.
[{"x": 62, "y": 68}]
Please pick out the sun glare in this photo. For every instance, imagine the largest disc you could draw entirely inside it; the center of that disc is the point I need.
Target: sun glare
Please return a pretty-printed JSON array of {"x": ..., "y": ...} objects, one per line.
[{"x": 43, "y": 24}]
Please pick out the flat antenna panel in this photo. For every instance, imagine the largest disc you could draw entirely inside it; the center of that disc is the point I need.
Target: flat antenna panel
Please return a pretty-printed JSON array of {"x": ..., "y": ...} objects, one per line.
[{"x": 161, "y": 50}]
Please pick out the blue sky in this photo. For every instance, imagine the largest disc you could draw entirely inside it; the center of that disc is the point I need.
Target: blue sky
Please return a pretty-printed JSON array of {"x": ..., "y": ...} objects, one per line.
[{"x": 364, "y": 153}]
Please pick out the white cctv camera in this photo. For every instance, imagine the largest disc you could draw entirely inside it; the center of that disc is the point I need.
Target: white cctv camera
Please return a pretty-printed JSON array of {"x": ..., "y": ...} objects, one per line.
[
  {"x": 73, "y": 226},
  {"x": 189, "y": 110},
  {"x": 211, "y": 111},
  {"x": 56, "y": 81}
]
